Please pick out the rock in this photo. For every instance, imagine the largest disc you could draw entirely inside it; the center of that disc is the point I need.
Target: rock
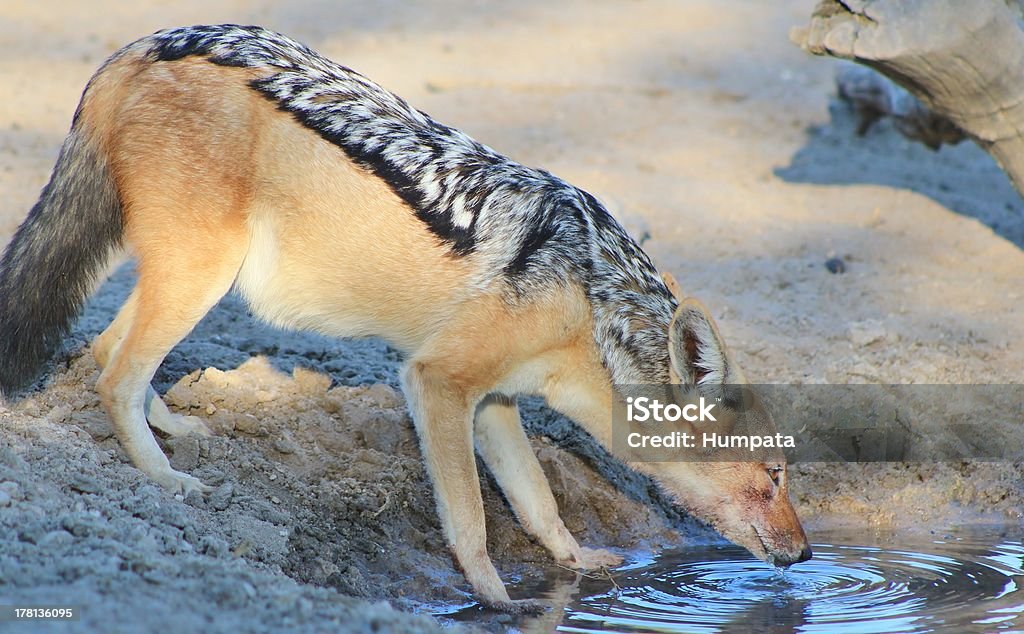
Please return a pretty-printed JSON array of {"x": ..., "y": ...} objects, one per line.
[
  {"x": 181, "y": 395},
  {"x": 384, "y": 396},
  {"x": 383, "y": 433},
  {"x": 285, "y": 446},
  {"x": 867, "y": 332},
  {"x": 248, "y": 424},
  {"x": 84, "y": 484},
  {"x": 186, "y": 452},
  {"x": 217, "y": 377},
  {"x": 95, "y": 423},
  {"x": 58, "y": 414},
  {"x": 835, "y": 265}
]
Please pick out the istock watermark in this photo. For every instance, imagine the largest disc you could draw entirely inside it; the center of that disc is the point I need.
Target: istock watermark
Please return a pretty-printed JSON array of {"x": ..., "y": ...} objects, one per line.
[
  {"x": 642, "y": 409},
  {"x": 819, "y": 423}
]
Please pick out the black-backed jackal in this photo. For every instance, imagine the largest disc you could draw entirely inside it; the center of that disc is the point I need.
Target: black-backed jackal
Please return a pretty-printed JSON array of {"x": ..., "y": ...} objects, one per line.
[{"x": 232, "y": 157}]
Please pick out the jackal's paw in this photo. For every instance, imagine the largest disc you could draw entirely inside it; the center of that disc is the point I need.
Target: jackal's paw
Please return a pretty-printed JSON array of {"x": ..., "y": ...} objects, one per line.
[
  {"x": 520, "y": 606},
  {"x": 593, "y": 558},
  {"x": 178, "y": 482},
  {"x": 182, "y": 425},
  {"x": 195, "y": 425}
]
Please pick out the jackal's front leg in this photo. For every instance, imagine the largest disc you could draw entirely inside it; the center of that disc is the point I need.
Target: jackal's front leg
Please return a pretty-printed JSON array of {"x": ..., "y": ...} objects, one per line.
[
  {"x": 442, "y": 413},
  {"x": 503, "y": 445}
]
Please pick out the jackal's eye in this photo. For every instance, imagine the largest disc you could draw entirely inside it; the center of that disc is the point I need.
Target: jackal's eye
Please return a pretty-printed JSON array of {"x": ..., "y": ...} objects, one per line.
[{"x": 775, "y": 473}]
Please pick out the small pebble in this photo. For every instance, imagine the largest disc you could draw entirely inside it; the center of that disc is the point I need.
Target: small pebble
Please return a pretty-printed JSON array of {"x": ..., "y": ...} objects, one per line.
[
  {"x": 5, "y": 499},
  {"x": 284, "y": 446},
  {"x": 835, "y": 265},
  {"x": 866, "y": 332},
  {"x": 84, "y": 484}
]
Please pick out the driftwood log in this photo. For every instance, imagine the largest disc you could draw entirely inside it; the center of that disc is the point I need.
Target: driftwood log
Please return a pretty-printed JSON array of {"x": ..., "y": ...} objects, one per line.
[{"x": 962, "y": 59}]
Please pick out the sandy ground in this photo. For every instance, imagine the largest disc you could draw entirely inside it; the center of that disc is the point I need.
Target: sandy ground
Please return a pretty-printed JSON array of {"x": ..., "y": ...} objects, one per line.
[{"x": 697, "y": 122}]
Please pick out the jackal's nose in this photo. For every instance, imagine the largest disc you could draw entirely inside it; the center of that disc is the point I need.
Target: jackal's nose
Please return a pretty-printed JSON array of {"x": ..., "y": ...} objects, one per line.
[{"x": 790, "y": 558}]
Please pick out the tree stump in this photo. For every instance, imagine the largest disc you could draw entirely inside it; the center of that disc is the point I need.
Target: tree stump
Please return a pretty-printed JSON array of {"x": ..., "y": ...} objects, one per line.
[{"x": 963, "y": 59}]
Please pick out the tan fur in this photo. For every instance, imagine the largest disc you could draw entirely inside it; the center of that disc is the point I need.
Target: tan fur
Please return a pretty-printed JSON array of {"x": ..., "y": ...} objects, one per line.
[
  {"x": 220, "y": 188},
  {"x": 673, "y": 285}
]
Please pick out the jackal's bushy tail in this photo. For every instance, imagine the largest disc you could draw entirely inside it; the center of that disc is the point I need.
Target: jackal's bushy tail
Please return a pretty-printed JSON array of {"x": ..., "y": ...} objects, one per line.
[{"x": 52, "y": 263}]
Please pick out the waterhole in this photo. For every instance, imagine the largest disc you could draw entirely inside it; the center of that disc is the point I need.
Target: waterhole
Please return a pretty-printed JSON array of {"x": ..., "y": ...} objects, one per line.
[{"x": 856, "y": 582}]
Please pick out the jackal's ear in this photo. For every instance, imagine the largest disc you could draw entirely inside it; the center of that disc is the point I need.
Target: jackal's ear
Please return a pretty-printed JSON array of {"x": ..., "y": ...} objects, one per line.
[
  {"x": 673, "y": 286},
  {"x": 697, "y": 352}
]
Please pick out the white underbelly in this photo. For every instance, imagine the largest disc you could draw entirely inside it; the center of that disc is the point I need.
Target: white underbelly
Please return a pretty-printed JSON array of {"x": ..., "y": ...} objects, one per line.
[{"x": 290, "y": 295}]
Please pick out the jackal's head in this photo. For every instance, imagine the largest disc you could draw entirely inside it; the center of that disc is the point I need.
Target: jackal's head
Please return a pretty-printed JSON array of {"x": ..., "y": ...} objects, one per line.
[{"x": 741, "y": 493}]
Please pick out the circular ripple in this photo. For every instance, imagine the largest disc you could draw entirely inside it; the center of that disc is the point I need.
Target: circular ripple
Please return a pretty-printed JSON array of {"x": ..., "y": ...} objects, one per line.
[{"x": 842, "y": 589}]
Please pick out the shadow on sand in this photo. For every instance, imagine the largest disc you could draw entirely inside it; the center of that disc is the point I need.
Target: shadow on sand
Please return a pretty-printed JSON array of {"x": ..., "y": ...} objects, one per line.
[{"x": 950, "y": 176}]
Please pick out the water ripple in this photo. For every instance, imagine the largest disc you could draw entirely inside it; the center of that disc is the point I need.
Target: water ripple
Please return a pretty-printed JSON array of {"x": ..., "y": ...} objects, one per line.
[{"x": 955, "y": 586}]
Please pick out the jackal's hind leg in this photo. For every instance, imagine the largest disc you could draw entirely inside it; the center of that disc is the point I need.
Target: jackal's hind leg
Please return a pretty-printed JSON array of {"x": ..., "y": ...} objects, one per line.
[
  {"x": 104, "y": 347},
  {"x": 176, "y": 288},
  {"x": 503, "y": 445}
]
